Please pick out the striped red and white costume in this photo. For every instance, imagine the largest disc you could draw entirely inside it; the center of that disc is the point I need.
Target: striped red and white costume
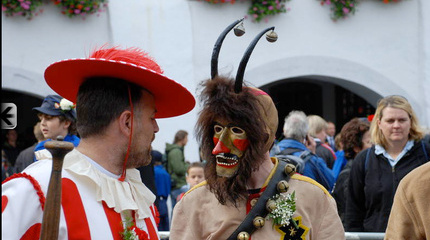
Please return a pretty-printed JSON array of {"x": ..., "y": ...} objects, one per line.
[{"x": 94, "y": 205}]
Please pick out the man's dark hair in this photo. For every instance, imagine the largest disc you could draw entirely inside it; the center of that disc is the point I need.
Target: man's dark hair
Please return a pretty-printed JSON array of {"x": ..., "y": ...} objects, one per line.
[
  {"x": 180, "y": 135},
  {"x": 101, "y": 100}
]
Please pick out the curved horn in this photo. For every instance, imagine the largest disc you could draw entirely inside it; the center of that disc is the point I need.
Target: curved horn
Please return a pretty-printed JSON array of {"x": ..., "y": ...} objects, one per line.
[
  {"x": 217, "y": 46},
  {"x": 245, "y": 58}
]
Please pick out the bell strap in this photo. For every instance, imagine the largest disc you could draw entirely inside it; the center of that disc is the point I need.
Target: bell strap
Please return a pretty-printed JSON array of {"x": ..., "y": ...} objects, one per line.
[{"x": 259, "y": 209}]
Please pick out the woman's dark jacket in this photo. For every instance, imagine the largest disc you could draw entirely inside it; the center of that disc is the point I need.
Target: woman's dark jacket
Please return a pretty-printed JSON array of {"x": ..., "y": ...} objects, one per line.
[{"x": 372, "y": 185}]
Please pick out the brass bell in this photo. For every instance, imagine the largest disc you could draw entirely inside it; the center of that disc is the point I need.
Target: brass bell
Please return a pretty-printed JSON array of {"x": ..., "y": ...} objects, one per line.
[
  {"x": 253, "y": 202},
  {"x": 271, "y": 36},
  {"x": 259, "y": 222},
  {"x": 243, "y": 236},
  {"x": 290, "y": 169},
  {"x": 283, "y": 186},
  {"x": 270, "y": 205},
  {"x": 239, "y": 30}
]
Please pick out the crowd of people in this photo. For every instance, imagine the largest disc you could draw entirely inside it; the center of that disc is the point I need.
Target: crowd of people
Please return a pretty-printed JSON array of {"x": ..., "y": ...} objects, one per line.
[{"x": 313, "y": 184}]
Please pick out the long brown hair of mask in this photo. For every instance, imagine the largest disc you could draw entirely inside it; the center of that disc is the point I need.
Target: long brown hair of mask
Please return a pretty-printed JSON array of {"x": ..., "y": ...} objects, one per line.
[{"x": 220, "y": 101}]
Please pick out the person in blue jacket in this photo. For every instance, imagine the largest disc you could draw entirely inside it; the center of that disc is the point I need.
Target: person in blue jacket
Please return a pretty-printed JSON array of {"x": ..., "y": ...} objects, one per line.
[
  {"x": 163, "y": 185},
  {"x": 57, "y": 117},
  {"x": 299, "y": 143}
]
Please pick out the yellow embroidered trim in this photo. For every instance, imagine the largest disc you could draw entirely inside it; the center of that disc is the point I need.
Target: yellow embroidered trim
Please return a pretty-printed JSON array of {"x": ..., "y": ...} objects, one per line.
[
  {"x": 310, "y": 180},
  {"x": 274, "y": 160},
  {"x": 198, "y": 185}
]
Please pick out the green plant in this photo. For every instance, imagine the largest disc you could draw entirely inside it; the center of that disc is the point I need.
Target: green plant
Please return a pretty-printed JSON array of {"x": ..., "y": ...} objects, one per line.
[
  {"x": 219, "y": 1},
  {"x": 73, "y": 8},
  {"x": 261, "y": 9},
  {"x": 284, "y": 208},
  {"x": 340, "y": 8},
  {"x": 25, "y": 8}
]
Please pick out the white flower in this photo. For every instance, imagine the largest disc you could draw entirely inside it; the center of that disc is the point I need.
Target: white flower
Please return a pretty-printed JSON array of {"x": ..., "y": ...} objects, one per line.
[
  {"x": 66, "y": 105},
  {"x": 134, "y": 235},
  {"x": 285, "y": 208}
]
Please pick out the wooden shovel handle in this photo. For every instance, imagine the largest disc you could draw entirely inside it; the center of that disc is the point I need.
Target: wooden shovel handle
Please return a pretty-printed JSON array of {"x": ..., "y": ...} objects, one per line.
[{"x": 51, "y": 213}]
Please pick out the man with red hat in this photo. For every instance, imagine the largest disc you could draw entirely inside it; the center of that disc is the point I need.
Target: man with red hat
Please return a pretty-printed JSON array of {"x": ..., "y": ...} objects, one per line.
[{"x": 119, "y": 94}]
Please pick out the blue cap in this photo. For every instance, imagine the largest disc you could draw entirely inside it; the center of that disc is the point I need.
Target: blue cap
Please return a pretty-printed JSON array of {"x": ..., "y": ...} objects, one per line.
[
  {"x": 157, "y": 156},
  {"x": 51, "y": 106}
]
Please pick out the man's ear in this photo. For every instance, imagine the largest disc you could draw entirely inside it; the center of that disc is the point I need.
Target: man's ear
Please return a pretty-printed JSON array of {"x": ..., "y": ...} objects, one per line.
[{"x": 124, "y": 122}]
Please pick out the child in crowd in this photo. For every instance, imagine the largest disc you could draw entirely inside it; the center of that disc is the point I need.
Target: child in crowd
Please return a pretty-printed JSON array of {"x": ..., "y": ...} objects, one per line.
[
  {"x": 57, "y": 117},
  {"x": 195, "y": 175}
]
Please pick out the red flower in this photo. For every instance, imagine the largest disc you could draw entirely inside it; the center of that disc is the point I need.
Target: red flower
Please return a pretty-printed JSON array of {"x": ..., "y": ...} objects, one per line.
[
  {"x": 370, "y": 117},
  {"x": 140, "y": 233}
]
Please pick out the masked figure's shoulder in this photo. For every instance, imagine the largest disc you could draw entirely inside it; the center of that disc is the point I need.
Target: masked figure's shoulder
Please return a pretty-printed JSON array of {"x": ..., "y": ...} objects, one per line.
[{"x": 309, "y": 180}]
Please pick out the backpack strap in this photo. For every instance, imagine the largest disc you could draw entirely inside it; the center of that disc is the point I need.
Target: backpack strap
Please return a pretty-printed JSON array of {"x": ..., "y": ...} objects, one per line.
[
  {"x": 321, "y": 178},
  {"x": 259, "y": 209},
  {"x": 306, "y": 156},
  {"x": 288, "y": 156},
  {"x": 289, "y": 151}
]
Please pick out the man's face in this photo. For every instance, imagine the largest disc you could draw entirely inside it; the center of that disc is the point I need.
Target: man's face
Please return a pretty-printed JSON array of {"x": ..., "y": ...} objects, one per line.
[
  {"x": 145, "y": 127},
  {"x": 12, "y": 135},
  {"x": 185, "y": 141},
  {"x": 395, "y": 125},
  {"x": 322, "y": 135},
  {"x": 52, "y": 127},
  {"x": 331, "y": 129},
  {"x": 230, "y": 144}
]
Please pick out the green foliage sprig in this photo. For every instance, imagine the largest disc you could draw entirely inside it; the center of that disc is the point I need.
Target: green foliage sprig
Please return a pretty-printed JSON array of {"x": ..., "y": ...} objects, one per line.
[
  {"x": 284, "y": 210},
  {"x": 340, "y": 8},
  {"x": 25, "y": 8},
  {"x": 73, "y": 8},
  {"x": 261, "y": 9}
]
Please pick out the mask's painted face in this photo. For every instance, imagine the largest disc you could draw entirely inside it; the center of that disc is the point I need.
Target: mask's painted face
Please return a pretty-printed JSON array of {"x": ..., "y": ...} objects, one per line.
[{"x": 230, "y": 144}]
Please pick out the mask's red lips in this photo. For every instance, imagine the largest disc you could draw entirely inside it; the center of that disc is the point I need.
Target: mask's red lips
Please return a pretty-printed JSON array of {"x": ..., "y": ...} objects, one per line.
[{"x": 227, "y": 160}]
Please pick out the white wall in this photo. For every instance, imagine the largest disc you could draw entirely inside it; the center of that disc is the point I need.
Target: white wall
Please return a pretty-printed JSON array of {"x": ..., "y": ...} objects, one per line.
[{"x": 163, "y": 28}]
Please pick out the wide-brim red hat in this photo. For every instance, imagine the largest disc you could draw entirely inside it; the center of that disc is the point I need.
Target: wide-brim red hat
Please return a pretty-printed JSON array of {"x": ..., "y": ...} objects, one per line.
[{"x": 171, "y": 98}]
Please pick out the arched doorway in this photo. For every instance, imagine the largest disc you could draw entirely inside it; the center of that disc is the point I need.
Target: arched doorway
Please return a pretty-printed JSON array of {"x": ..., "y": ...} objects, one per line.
[
  {"x": 333, "y": 102},
  {"x": 26, "y": 117},
  {"x": 26, "y": 89}
]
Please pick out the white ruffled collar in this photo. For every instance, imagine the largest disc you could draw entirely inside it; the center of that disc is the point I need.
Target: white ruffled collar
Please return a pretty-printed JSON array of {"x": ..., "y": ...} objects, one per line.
[{"x": 131, "y": 194}]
